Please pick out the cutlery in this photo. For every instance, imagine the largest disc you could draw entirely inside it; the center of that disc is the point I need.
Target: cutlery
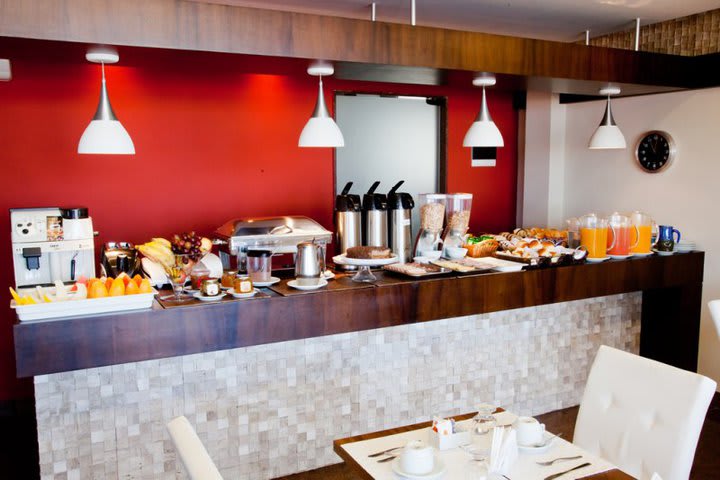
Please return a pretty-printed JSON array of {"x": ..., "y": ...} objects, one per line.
[
  {"x": 391, "y": 457},
  {"x": 556, "y": 475},
  {"x": 383, "y": 452},
  {"x": 550, "y": 462}
]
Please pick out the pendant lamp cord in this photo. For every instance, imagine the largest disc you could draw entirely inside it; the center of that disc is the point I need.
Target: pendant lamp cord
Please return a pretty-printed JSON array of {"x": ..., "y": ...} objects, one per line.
[{"x": 102, "y": 67}]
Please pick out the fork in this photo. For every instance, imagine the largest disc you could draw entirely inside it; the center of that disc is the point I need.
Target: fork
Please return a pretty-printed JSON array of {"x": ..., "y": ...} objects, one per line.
[{"x": 550, "y": 462}]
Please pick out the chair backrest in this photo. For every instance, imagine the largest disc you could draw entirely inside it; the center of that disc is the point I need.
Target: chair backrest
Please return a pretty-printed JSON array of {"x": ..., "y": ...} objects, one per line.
[
  {"x": 642, "y": 415},
  {"x": 193, "y": 455},
  {"x": 715, "y": 312}
]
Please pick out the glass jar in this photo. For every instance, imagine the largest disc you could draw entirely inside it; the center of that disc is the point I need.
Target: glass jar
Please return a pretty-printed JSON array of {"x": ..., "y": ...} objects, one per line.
[
  {"x": 259, "y": 265},
  {"x": 198, "y": 273},
  {"x": 458, "y": 207},
  {"x": 228, "y": 278},
  {"x": 242, "y": 285},
  {"x": 210, "y": 287},
  {"x": 432, "y": 216}
]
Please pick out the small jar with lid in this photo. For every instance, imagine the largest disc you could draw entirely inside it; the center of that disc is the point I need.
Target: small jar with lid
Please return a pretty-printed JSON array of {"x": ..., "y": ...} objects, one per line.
[
  {"x": 242, "y": 285},
  {"x": 228, "y": 278},
  {"x": 198, "y": 273},
  {"x": 210, "y": 287}
]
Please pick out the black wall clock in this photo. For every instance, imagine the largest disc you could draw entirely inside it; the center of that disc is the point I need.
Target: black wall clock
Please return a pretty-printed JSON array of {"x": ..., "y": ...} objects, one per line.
[{"x": 655, "y": 151}]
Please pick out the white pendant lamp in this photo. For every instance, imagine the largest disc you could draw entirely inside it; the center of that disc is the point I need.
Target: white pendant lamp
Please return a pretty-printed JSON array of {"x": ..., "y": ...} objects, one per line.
[
  {"x": 321, "y": 130},
  {"x": 608, "y": 134},
  {"x": 105, "y": 134},
  {"x": 483, "y": 132}
]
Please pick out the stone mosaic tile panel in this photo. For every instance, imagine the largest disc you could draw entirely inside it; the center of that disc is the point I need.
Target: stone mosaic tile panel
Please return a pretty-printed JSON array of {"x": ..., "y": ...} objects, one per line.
[{"x": 272, "y": 410}]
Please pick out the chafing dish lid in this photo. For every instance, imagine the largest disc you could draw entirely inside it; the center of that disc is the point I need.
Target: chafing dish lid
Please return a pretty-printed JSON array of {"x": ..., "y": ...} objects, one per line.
[{"x": 276, "y": 226}]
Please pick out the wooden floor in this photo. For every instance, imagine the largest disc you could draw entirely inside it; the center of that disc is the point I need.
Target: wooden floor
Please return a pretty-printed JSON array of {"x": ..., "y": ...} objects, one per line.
[
  {"x": 19, "y": 460},
  {"x": 707, "y": 456}
]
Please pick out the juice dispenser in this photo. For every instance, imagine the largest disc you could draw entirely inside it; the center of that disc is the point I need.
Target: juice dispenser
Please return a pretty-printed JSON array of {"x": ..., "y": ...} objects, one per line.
[
  {"x": 432, "y": 215},
  {"x": 458, "y": 219}
]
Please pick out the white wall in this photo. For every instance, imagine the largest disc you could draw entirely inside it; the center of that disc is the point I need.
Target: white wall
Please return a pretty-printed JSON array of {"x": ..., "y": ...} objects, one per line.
[{"x": 686, "y": 195}]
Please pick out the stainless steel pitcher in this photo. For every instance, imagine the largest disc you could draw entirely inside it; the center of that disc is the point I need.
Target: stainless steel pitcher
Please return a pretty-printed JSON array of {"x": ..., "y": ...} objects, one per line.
[{"x": 308, "y": 267}]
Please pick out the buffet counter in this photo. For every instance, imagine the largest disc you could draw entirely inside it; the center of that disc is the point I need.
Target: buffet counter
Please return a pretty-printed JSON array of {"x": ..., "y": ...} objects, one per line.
[{"x": 671, "y": 302}]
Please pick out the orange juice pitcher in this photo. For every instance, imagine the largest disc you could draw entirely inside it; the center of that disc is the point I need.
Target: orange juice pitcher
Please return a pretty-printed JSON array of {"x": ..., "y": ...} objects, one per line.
[
  {"x": 622, "y": 235},
  {"x": 594, "y": 235},
  {"x": 645, "y": 226}
]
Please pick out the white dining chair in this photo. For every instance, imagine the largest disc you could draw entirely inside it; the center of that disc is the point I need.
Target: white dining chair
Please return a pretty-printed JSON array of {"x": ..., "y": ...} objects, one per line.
[
  {"x": 642, "y": 415},
  {"x": 192, "y": 453},
  {"x": 715, "y": 313}
]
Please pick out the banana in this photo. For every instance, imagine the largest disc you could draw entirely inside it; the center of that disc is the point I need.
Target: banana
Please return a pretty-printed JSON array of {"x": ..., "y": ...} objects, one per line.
[
  {"x": 165, "y": 242},
  {"x": 157, "y": 254}
]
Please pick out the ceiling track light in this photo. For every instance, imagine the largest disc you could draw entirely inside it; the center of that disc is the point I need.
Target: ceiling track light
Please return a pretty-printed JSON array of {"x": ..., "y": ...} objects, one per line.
[
  {"x": 321, "y": 130},
  {"x": 608, "y": 135},
  {"x": 483, "y": 132},
  {"x": 105, "y": 134}
]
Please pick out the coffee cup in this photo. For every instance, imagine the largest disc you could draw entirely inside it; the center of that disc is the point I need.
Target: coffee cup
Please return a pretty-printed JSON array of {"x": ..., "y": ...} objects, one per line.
[
  {"x": 529, "y": 431},
  {"x": 417, "y": 458}
]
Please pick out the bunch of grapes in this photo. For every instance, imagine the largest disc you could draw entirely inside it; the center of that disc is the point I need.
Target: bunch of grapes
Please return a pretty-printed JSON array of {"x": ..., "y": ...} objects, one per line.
[{"x": 187, "y": 243}]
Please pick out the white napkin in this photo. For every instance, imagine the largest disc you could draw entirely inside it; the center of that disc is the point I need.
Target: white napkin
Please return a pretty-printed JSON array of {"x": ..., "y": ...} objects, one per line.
[{"x": 504, "y": 450}]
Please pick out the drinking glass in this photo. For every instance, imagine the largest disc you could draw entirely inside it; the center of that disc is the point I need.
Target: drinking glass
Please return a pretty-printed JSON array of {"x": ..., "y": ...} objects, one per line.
[{"x": 484, "y": 421}]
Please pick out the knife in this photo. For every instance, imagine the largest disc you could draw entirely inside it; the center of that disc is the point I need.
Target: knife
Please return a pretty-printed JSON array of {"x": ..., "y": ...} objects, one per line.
[{"x": 556, "y": 475}]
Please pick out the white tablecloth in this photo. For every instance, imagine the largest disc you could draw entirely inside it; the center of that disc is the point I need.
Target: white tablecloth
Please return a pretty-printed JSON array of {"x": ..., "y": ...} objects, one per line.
[{"x": 457, "y": 461}]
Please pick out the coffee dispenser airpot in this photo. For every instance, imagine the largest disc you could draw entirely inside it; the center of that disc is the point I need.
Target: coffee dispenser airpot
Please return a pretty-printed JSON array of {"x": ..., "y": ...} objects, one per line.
[
  {"x": 348, "y": 225},
  {"x": 400, "y": 205},
  {"x": 51, "y": 244},
  {"x": 374, "y": 213}
]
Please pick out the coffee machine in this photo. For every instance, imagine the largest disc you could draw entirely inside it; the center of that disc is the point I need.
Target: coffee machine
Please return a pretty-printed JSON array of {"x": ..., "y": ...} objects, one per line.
[{"x": 51, "y": 244}]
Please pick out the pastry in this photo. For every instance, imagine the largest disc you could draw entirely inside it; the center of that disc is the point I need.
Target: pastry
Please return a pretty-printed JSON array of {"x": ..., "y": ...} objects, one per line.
[{"x": 368, "y": 252}]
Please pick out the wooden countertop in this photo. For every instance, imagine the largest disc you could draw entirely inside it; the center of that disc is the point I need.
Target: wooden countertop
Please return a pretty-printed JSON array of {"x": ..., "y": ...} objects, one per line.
[{"x": 671, "y": 286}]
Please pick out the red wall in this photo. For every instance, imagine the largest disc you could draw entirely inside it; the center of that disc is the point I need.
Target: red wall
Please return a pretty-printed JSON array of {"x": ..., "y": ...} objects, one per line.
[{"x": 216, "y": 138}]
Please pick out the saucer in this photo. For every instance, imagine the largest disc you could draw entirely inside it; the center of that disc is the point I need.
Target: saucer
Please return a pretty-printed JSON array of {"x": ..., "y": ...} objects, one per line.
[
  {"x": 242, "y": 295},
  {"x": 272, "y": 281},
  {"x": 645, "y": 254},
  {"x": 544, "y": 448},
  {"x": 329, "y": 275},
  {"x": 620, "y": 257},
  {"x": 294, "y": 284},
  {"x": 204, "y": 298},
  {"x": 663, "y": 254},
  {"x": 596, "y": 260},
  {"x": 437, "y": 471}
]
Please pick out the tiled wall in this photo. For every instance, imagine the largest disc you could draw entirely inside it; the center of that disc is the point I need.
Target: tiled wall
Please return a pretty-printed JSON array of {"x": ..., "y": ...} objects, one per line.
[
  {"x": 275, "y": 409},
  {"x": 692, "y": 35}
]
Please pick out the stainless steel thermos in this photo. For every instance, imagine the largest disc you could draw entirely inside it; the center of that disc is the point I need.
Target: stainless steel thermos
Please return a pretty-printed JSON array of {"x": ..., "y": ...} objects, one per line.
[
  {"x": 400, "y": 205},
  {"x": 348, "y": 225},
  {"x": 374, "y": 213}
]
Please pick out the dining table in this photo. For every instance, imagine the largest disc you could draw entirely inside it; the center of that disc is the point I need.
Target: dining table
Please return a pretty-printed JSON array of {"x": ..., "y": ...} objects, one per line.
[{"x": 356, "y": 451}]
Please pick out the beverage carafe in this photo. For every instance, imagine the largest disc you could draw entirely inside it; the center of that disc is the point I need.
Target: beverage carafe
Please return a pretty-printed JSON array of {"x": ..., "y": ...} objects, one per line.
[
  {"x": 622, "y": 235},
  {"x": 400, "y": 205},
  {"x": 374, "y": 211},
  {"x": 307, "y": 264},
  {"x": 594, "y": 235},
  {"x": 645, "y": 226},
  {"x": 348, "y": 222}
]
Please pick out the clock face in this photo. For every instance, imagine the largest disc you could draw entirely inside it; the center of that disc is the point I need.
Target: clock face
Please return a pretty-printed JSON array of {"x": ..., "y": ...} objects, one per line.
[{"x": 655, "y": 151}]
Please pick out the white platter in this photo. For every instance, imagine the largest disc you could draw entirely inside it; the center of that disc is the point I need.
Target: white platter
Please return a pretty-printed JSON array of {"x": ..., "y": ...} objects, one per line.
[
  {"x": 88, "y": 306},
  {"x": 294, "y": 284},
  {"x": 204, "y": 298},
  {"x": 364, "y": 262},
  {"x": 242, "y": 295}
]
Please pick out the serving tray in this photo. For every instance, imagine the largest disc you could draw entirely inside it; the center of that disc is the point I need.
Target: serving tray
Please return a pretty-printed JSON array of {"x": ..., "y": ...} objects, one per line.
[{"x": 87, "y": 306}]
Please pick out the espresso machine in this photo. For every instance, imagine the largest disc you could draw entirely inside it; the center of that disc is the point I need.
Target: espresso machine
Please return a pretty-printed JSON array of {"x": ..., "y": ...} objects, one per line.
[
  {"x": 400, "y": 205},
  {"x": 374, "y": 215},
  {"x": 348, "y": 224},
  {"x": 51, "y": 244}
]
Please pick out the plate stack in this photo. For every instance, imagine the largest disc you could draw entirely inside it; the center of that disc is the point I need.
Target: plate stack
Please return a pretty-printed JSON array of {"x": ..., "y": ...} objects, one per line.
[{"x": 685, "y": 246}]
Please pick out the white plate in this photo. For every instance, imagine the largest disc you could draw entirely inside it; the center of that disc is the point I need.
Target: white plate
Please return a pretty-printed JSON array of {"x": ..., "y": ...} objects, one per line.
[
  {"x": 620, "y": 257},
  {"x": 242, "y": 295},
  {"x": 663, "y": 254},
  {"x": 364, "y": 262},
  {"x": 597, "y": 260},
  {"x": 203, "y": 298},
  {"x": 328, "y": 275},
  {"x": 272, "y": 281},
  {"x": 646, "y": 254},
  {"x": 437, "y": 471},
  {"x": 294, "y": 284},
  {"x": 547, "y": 446}
]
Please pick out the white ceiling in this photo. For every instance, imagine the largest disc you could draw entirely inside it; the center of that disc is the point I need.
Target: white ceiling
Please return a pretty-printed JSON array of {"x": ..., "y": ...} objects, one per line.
[{"x": 561, "y": 20}]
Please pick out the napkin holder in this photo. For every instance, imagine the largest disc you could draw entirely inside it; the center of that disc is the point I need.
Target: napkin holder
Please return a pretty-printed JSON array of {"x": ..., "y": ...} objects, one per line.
[{"x": 449, "y": 440}]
